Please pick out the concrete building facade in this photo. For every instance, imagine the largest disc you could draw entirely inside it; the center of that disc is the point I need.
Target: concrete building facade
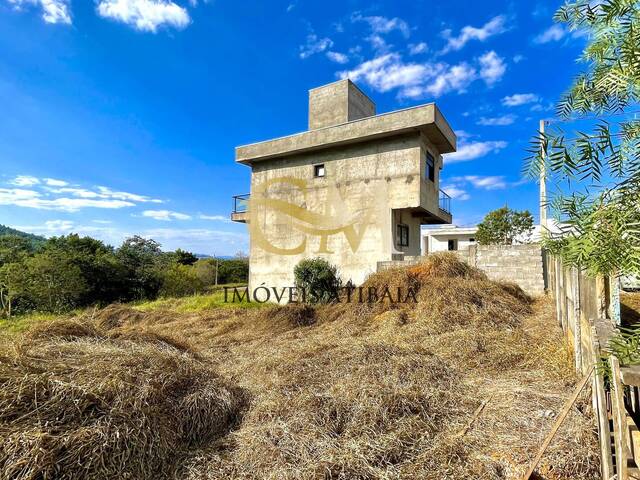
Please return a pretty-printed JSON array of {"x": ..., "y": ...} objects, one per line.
[{"x": 353, "y": 189}]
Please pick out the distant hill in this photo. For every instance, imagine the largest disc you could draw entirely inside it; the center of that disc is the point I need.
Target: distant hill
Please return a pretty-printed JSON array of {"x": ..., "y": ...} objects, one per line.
[{"x": 35, "y": 239}]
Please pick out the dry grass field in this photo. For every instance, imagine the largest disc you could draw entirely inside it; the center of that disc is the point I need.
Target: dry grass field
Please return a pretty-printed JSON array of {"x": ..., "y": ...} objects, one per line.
[{"x": 346, "y": 391}]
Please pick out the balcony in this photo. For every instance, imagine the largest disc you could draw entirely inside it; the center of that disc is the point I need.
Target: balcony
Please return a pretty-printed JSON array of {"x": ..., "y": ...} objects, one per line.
[
  {"x": 445, "y": 202},
  {"x": 240, "y": 208}
]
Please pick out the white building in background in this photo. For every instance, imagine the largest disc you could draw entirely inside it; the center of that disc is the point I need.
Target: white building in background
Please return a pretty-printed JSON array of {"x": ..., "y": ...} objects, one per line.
[{"x": 451, "y": 237}]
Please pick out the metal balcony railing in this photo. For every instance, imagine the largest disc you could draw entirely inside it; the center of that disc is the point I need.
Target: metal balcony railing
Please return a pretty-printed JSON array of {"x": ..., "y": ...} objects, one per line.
[
  {"x": 445, "y": 202},
  {"x": 240, "y": 203}
]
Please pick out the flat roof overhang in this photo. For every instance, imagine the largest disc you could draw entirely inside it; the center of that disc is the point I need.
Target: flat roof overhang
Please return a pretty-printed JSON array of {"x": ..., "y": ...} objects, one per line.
[{"x": 426, "y": 118}]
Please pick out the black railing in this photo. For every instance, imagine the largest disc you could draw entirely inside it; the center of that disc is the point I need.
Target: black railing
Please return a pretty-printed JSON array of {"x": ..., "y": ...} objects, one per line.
[
  {"x": 240, "y": 203},
  {"x": 445, "y": 202}
]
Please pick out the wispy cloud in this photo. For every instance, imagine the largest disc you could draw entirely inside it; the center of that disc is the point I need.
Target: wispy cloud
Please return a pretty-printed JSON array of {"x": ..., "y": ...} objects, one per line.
[
  {"x": 50, "y": 194},
  {"x": 382, "y": 25},
  {"x": 337, "y": 57},
  {"x": 416, "y": 48},
  {"x": 165, "y": 215},
  {"x": 53, "y": 11},
  {"x": 472, "y": 150},
  {"x": 314, "y": 45},
  {"x": 493, "y": 27},
  {"x": 417, "y": 80},
  {"x": 520, "y": 99},
  {"x": 215, "y": 218},
  {"x": 552, "y": 34},
  {"x": 491, "y": 182},
  {"x": 456, "y": 192},
  {"x": 145, "y": 15},
  {"x": 497, "y": 121},
  {"x": 492, "y": 67}
]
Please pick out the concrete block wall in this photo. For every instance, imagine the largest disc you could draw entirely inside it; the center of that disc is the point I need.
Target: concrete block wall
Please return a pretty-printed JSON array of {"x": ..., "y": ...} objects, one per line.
[{"x": 519, "y": 264}]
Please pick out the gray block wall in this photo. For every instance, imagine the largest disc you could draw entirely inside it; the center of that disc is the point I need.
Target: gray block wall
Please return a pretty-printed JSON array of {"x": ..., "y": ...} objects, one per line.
[{"x": 519, "y": 264}]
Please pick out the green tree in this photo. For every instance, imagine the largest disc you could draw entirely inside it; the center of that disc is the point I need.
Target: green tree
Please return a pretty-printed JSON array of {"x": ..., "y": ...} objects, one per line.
[
  {"x": 14, "y": 248},
  {"x": 184, "y": 258},
  {"x": 233, "y": 271},
  {"x": 103, "y": 273},
  {"x": 205, "y": 269},
  {"x": 55, "y": 284},
  {"x": 504, "y": 226},
  {"x": 180, "y": 280},
  {"x": 13, "y": 286},
  {"x": 318, "y": 278},
  {"x": 601, "y": 214},
  {"x": 143, "y": 262}
]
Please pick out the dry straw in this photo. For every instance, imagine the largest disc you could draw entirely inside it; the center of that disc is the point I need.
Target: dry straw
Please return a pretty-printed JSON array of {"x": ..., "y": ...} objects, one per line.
[{"x": 337, "y": 392}]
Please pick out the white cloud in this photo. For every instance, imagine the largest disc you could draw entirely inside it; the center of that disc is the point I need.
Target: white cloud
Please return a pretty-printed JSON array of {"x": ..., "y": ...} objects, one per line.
[
  {"x": 53, "y": 194},
  {"x": 493, "y": 27},
  {"x": 290, "y": 7},
  {"x": 456, "y": 192},
  {"x": 518, "y": 58},
  {"x": 165, "y": 215},
  {"x": 492, "y": 67},
  {"x": 25, "y": 181},
  {"x": 145, "y": 15},
  {"x": 497, "y": 121},
  {"x": 380, "y": 24},
  {"x": 106, "y": 192},
  {"x": 552, "y": 34},
  {"x": 519, "y": 99},
  {"x": 473, "y": 150},
  {"x": 337, "y": 57},
  {"x": 492, "y": 182},
  {"x": 386, "y": 72},
  {"x": 416, "y": 48},
  {"x": 417, "y": 80},
  {"x": 52, "y": 182},
  {"x": 314, "y": 45},
  {"x": 53, "y": 11},
  {"x": 217, "y": 218},
  {"x": 32, "y": 199}
]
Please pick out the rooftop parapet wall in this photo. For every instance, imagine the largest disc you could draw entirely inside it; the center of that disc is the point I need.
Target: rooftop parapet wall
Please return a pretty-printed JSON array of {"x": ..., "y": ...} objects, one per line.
[
  {"x": 424, "y": 118},
  {"x": 336, "y": 103}
]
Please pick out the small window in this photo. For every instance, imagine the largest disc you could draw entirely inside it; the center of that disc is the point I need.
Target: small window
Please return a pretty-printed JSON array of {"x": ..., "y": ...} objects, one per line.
[
  {"x": 431, "y": 168},
  {"x": 318, "y": 170},
  {"x": 403, "y": 235},
  {"x": 452, "y": 245},
  {"x": 472, "y": 239}
]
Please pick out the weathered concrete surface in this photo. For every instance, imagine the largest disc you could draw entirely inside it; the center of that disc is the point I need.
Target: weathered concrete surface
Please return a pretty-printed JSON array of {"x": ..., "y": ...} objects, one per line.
[
  {"x": 426, "y": 119},
  {"x": 376, "y": 184},
  {"x": 337, "y": 103}
]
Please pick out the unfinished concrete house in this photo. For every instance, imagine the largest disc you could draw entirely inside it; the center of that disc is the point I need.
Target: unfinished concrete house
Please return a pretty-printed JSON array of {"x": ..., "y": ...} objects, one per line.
[{"x": 352, "y": 189}]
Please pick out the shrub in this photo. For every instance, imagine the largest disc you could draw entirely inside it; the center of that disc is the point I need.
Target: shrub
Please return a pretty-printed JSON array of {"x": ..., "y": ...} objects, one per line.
[{"x": 319, "y": 279}]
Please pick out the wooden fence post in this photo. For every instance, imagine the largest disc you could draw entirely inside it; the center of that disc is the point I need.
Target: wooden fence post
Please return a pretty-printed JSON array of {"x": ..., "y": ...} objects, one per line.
[{"x": 620, "y": 434}]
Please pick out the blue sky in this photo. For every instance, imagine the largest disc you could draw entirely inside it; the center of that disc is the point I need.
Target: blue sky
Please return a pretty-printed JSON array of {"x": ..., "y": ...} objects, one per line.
[{"x": 120, "y": 117}]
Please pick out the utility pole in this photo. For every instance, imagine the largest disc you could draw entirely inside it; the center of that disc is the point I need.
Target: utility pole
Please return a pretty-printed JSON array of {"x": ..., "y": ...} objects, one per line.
[{"x": 543, "y": 181}]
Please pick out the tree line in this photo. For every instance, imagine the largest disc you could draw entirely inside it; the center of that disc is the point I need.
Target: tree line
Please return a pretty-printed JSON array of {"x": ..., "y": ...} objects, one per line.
[{"x": 66, "y": 272}]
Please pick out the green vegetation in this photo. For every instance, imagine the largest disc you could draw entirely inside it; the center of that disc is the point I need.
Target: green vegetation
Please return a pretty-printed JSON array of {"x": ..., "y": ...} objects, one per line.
[
  {"x": 318, "y": 278},
  {"x": 195, "y": 303},
  {"x": 504, "y": 226},
  {"x": 602, "y": 219},
  {"x": 67, "y": 272}
]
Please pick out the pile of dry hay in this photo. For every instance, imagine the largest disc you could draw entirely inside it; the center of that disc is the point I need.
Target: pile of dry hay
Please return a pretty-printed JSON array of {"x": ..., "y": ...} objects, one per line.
[
  {"x": 78, "y": 401},
  {"x": 386, "y": 390}
]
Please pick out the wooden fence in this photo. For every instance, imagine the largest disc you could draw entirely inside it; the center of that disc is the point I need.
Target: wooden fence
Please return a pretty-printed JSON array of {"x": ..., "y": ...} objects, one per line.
[{"x": 588, "y": 309}]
